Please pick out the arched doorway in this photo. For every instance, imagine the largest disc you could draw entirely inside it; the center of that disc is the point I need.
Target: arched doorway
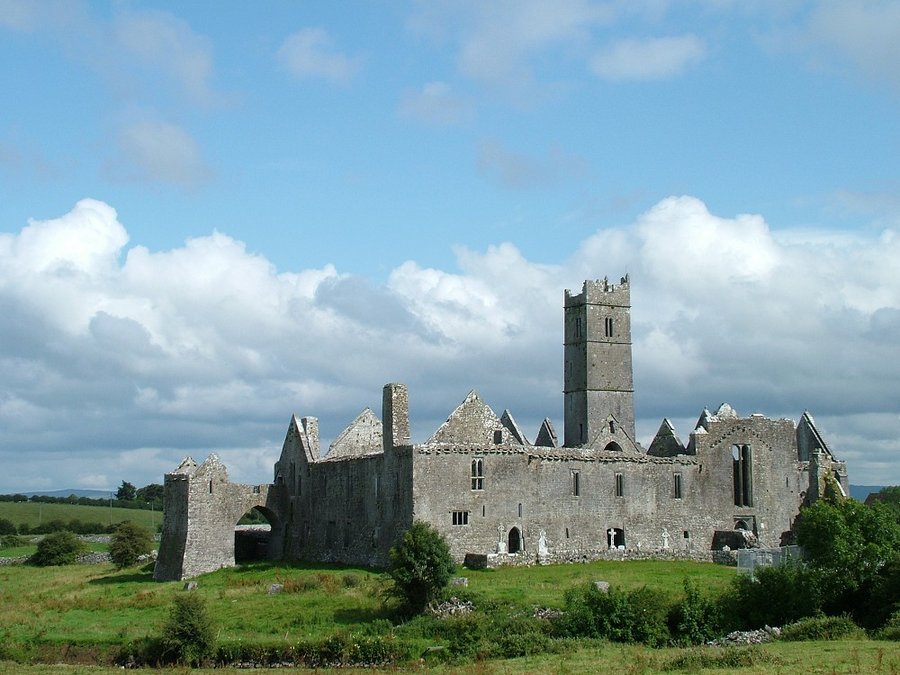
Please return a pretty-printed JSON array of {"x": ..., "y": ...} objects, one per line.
[
  {"x": 253, "y": 535},
  {"x": 514, "y": 541}
]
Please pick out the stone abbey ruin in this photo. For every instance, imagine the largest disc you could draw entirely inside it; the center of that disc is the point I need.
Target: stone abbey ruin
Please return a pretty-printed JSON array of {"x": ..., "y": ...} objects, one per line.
[{"x": 498, "y": 497}]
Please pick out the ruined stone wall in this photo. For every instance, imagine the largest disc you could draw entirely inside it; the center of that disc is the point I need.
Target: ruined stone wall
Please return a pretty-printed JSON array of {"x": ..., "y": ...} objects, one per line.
[
  {"x": 537, "y": 496},
  {"x": 202, "y": 508},
  {"x": 351, "y": 510},
  {"x": 778, "y": 488}
]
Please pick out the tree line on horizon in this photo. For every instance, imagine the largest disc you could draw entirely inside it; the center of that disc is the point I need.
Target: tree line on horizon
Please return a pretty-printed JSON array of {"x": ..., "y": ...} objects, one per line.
[{"x": 126, "y": 497}]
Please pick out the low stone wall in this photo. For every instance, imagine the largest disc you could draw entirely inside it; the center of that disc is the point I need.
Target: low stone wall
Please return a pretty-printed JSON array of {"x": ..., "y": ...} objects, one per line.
[{"x": 491, "y": 560}]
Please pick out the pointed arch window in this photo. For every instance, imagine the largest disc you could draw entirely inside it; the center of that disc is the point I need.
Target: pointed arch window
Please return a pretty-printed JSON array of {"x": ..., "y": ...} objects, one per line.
[{"x": 742, "y": 464}]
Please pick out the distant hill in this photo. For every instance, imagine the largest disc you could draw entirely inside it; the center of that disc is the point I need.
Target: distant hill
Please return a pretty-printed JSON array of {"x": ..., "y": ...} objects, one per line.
[
  {"x": 860, "y": 492},
  {"x": 93, "y": 494}
]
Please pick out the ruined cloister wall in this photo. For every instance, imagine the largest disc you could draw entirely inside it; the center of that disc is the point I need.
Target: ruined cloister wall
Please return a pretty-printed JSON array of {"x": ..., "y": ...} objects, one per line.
[{"x": 201, "y": 510}]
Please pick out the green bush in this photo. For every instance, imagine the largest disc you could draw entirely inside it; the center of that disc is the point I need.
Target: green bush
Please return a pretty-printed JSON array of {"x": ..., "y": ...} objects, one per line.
[
  {"x": 774, "y": 596},
  {"x": 697, "y": 618},
  {"x": 7, "y": 526},
  {"x": 882, "y": 597},
  {"x": 640, "y": 615},
  {"x": 59, "y": 548},
  {"x": 128, "y": 543},
  {"x": 891, "y": 629},
  {"x": 188, "y": 635},
  {"x": 822, "y": 628},
  {"x": 421, "y": 566},
  {"x": 12, "y": 541}
]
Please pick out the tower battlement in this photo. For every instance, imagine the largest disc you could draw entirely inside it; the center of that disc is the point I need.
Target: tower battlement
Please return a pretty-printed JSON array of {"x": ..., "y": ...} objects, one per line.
[{"x": 601, "y": 291}]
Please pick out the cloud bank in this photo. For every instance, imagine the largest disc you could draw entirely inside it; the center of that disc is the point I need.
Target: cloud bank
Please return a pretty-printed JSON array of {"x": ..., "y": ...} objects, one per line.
[{"x": 117, "y": 361}]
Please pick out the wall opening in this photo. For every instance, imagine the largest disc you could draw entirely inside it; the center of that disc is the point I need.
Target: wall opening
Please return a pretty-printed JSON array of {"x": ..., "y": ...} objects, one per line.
[
  {"x": 477, "y": 474},
  {"x": 613, "y": 447},
  {"x": 514, "y": 541},
  {"x": 742, "y": 470},
  {"x": 615, "y": 537},
  {"x": 251, "y": 536}
]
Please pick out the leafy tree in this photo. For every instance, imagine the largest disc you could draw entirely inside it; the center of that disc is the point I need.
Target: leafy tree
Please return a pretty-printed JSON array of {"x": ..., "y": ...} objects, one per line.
[
  {"x": 126, "y": 492},
  {"x": 152, "y": 493},
  {"x": 421, "y": 566},
  {"x": 890, "y": 496},
  {"x": 7, "y": 526},
  {"x": 128, "y": 543},
  {"x": 188, "y": 635},
  {"x": 58, "y": 548},
  {"x": 848, "y": 543}
]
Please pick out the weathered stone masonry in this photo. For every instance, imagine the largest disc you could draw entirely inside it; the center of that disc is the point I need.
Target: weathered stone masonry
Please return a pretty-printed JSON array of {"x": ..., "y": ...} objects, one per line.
[{"x": 494, "y": 494}]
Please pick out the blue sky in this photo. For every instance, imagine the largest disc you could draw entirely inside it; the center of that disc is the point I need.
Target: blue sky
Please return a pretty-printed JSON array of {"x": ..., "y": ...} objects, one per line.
[{"x": 213, "y": 215}]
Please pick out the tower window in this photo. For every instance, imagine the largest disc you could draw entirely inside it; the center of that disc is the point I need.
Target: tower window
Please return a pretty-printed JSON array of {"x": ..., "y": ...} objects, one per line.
[
  {"x": 742, "y": 467},
  {"x": 676, "y": 485},
  {"x": 477, "y": 474},
  {"x": 579, "y": 329},
  {"x": 620, "y": 485},
  {"x": 608, "y": 326},
  {"x": 520, "y": 509},
  {"x": 576, "y": 484},
  {"x": 460, "y": 517}
]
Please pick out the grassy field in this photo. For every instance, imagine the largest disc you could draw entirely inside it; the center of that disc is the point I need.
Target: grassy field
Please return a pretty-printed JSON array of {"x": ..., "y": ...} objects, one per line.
[
  {"x": 36, "y": 513},
  {"x": 64, "y": 612}
]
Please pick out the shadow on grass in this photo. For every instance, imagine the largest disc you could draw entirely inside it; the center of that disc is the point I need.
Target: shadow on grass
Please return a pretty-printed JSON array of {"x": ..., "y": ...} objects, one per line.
[
  {"x": 142, "y": 574},
  {"x": 358, "y": 615}
]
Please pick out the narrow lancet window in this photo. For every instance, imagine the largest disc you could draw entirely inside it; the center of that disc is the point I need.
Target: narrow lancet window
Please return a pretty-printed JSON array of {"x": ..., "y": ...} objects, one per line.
[{"x": 477, "y": 474}]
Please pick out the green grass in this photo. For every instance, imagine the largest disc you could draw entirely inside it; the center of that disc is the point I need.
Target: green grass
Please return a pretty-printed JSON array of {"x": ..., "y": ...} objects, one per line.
[
  {"x": 34, "y": 514},
  {"x": 848, "y": 657},
  {"x": 93, "y": 609},
  {"x": 545, "y": 585},
  {"x": 18, "y": 551}
]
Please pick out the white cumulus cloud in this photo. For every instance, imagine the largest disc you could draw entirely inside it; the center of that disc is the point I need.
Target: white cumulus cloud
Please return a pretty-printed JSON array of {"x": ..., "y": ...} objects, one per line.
[{"x": 118, "y": 361}]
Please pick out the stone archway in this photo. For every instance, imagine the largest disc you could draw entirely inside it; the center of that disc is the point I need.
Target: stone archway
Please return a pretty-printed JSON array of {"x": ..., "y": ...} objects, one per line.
[
  {"x": 514, "y": 541},
  {"x": 258, "y": 541}
]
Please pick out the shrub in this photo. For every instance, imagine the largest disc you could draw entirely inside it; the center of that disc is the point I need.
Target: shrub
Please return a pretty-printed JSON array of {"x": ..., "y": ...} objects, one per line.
[
  {"x": 58, "y": 548},
  {"x": 696, "y": 619},
  {"x": 775, "y": 596},
  {"x": 890, "y": 630},
  {"x": 821, "y": 628},
  {"x": 12, "y": 541},
  {"x": 633, "y": 616},
  {"x": 421, "y": 566},
  {"x": 188, "y": 635},
  {"x": 7, "y": 527},
  {"x": 129, "y": 542},
  {"x": 883, "y": 597}
]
